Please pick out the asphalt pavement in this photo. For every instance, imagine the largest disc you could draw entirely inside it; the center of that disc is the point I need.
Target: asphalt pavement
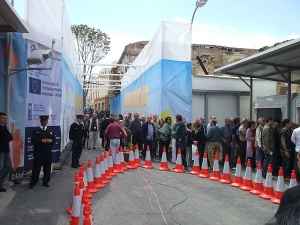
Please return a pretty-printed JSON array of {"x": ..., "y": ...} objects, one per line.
[{"x": 141, "y": 196}]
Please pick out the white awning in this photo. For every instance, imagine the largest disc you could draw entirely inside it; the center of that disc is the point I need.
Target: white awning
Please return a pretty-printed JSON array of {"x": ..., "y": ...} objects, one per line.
[{"x": 9, "y": 19}]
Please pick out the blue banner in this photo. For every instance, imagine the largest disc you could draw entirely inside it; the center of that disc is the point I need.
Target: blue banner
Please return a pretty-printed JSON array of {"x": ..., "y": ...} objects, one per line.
[{"x": 165, "y": 90}]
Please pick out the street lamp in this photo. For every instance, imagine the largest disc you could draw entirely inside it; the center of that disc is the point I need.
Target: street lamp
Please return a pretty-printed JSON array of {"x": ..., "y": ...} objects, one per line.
[{"x": 199, "y": 4}]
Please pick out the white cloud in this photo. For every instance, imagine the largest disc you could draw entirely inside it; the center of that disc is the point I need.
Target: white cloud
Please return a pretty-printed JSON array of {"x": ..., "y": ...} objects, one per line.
[{"x": 231, "y": 29}]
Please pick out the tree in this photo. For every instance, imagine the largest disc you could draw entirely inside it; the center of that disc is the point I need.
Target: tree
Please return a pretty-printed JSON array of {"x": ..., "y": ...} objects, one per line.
[{"x": 92, "y": 46}]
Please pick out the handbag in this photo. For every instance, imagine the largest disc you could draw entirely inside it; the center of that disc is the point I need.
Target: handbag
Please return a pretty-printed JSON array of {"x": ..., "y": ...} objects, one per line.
[{"x": 161, "y": 130}]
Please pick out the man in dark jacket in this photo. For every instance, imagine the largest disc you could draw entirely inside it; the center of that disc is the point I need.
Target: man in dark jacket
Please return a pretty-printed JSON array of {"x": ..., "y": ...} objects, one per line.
[
  {"x": 5, "y": 160},
  {"x": 148, "y": 135},
  {"x": 226, "y": 141},
  {"x": 76, "y": 134},
  {"x": 180, "y": 134},
  {"x": 104, "y": 124},
  {"x": 43, "y": 138},
  {"x": 136, "y": 130}
]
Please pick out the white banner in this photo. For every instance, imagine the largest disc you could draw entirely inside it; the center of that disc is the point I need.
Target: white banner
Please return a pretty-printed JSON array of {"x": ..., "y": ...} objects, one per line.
[{"x": 44, "y": 89}]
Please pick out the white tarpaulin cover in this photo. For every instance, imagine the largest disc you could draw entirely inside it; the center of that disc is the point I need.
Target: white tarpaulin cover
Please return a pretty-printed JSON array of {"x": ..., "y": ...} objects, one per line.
[{"x": 161, "y": 82}]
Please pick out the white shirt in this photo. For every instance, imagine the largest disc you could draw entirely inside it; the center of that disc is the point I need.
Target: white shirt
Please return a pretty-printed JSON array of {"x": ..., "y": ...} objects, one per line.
[
  {"x": 296, "y": 138},
  {"x": 43, "y": 127}
]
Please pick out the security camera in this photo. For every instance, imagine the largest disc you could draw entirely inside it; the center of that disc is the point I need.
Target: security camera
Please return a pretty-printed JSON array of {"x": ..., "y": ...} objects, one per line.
[{"x": 39, "y": 56}]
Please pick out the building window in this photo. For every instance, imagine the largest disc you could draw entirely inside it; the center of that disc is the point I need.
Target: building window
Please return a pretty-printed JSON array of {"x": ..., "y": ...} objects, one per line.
[
  {"x": 103, "y": 106},
  {"x": 275, "y": 113}
]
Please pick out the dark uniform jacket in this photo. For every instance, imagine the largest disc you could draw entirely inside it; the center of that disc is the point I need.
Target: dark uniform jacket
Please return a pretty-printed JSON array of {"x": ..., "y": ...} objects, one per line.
[
  {"x": 5, "y": 138},
  {"x": 104, "y": 125},
  {"x": 38, "y": 135},
  {"x": 76, "y": 131}
]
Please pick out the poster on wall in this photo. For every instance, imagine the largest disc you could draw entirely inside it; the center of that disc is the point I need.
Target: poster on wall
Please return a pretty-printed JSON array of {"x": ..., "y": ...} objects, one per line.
[
  {"x": 44, "y": 94},
  {"x": 17, "y": 87}
]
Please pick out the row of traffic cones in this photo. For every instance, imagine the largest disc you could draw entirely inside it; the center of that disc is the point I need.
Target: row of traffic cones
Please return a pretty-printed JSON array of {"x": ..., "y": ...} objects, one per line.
[
  {"x": 265, "y": 191},
  {"x": 86, "y": 184}
]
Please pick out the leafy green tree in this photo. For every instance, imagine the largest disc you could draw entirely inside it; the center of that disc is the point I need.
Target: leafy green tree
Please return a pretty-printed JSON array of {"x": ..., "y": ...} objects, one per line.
[{"x": 92, "y": 46}]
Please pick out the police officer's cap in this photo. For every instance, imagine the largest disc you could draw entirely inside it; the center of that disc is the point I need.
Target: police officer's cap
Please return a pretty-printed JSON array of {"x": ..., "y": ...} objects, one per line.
[
  {"x": 44, "y": 117},
  {"x": 79, "y": 116}
]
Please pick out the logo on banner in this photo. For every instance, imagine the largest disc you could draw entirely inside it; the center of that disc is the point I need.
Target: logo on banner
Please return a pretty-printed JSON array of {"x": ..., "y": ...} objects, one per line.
[
  {"x": 29, "y": 111},
  {"x": 33, "y": 47},
  {"x": 34, "y": 86}
]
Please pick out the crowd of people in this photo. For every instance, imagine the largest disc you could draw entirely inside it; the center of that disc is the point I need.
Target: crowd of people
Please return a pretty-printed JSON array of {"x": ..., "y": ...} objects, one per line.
[{"x": 269, "y": 141}]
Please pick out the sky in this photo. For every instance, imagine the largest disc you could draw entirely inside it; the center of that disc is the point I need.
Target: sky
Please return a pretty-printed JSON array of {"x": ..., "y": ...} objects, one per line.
[{"x": 232, "y": 23}]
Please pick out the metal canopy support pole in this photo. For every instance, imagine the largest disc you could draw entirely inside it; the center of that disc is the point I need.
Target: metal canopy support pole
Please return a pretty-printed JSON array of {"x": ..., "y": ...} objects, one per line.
[
  {"x": 289, "y": 94},
  {"x": 251, "y": 97},
  {"x": 238, "y": 105},
  {"x": 206, "y": 106}
]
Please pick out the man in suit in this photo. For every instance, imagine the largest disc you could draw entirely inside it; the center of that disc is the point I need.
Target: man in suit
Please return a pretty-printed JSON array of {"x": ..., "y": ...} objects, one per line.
[
  {"x": 148, "y": 135},
  {"x": 226, "y": 140},
  {"x": 43, "y": 138},
  {"x": 5, "y": 160}
]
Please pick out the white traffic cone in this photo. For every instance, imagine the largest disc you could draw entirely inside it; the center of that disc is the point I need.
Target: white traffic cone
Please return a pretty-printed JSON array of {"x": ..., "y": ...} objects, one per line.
[
  {"x": 268, "y": 188},
  {"x": 293, "y": 180},
  {"x": 280, "y": 188}
]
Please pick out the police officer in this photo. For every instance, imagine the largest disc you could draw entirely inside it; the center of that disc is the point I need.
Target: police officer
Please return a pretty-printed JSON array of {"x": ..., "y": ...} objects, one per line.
[
  {"x": 43, "y": 138},
  {"x": 76, "y": 136}
]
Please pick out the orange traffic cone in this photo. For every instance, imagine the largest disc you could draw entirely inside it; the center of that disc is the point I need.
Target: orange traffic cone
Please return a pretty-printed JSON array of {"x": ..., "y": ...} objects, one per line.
[
  {"x": 204, "y": 168},
  {"x": 216, "y": 170},
  {"x": 87, "y": 215},
  {"x": 97, "y": 177},
  {"x": 122, "y": 162},
  {"x": 247, "y": 184},
  {"x": 83, "y": 202},
  {"x": 280, "y": 188},
  {"x": 293, "y": 180},
  {"x": 82, "y": 168},
  {"x": 164, "y": 162},
  {"x": 102, "y": 169},
  {"x": 148, "y": 162},
  {"x": 117, "y": 166},
  {"x": 238, "y": 180},
  {"x": 82, "y": 189},
  {"x": 69, "y": 210},
  {"x": 196, "y": 166},
  {"x": 258, "y": 187},
  {"x": 226, "y": 178},
  {"x": 111, "y": 164},
  {"x": 268, "y": 188},
  {"x": 137, "y": 156},
  {"x": 131, "y": 162},
  {"x": 76, "y": 206},
  {"x": 108, "y": 176},
  {"x": 90, "y": 178},
  {"x": 179, "y": 168}
]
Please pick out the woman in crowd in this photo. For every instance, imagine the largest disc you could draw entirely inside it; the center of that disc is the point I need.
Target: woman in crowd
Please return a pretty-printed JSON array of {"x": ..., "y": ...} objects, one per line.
[
  {"x": 197, "y": 137},
  {"x": 250, "y": 137},
  {"x": 158, "y": 132},
  {"x": 123, "y": 142},
  {"x": 166, "y": 135}
]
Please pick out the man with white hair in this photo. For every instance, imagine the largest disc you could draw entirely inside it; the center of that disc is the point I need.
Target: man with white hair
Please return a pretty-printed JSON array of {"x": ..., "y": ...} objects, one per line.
[{"x": 92, "y": 130}]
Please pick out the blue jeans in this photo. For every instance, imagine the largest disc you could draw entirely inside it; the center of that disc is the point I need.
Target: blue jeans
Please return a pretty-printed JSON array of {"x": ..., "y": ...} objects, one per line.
[
  {"x": 286, "y": 162},
  {"x": 267, "y": 161},
  {"x": 6, "y": 164},
  {"x": 259, "y": 156},
  {"x": 114, "y": 144}
]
